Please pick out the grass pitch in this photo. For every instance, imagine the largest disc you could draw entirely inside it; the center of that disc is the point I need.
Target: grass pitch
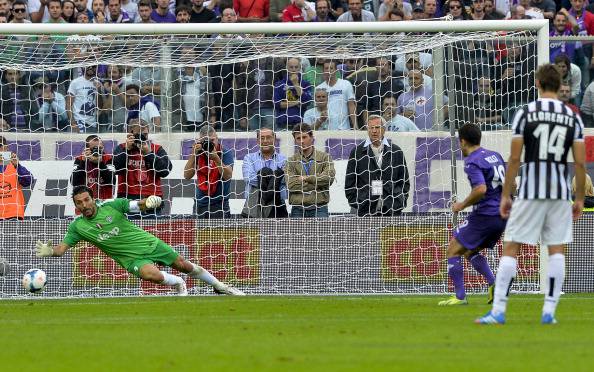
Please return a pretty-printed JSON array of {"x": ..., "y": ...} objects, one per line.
[{"x": 368, "y": 333}]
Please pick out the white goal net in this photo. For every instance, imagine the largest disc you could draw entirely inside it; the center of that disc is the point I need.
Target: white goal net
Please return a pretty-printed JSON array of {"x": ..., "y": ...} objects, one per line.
[{"x": 426, "y": 82}]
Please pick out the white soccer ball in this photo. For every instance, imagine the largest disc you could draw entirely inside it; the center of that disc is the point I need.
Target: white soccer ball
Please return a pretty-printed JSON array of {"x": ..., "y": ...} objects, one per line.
[{"x": 34, "y": 280}]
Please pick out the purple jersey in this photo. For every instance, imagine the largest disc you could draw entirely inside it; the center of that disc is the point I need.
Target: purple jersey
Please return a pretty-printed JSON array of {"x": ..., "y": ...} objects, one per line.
[{"x": 485, "y": 167}]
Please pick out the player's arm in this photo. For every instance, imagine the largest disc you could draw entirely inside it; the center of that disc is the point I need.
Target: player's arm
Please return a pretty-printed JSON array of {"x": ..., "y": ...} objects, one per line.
[
  {"x": 477, "y": 193},
  {"x": 513, "y": 165},
  {"x": 151, "y": 202},
  {"x": 579, "y": 158},
  {"x": 48, "y": 250}
]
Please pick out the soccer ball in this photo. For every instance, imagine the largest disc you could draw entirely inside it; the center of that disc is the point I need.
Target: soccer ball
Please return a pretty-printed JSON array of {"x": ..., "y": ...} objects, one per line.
[{"x": 34, "y": 280}]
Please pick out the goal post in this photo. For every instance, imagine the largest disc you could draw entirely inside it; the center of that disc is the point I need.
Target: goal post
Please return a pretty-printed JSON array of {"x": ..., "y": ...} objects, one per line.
[{"x": 337, "y": 255}]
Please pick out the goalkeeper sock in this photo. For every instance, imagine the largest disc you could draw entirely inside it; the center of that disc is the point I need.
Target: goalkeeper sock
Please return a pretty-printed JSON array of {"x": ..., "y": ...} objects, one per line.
[
  {"x": 200, "y": 273},
  {"x": 503, "y": 282},
  {"x": 481, "y": 265},
  {"x": 555, "y": 279},
  {"x": 169, "y": 279},
  {"x": 456, "y": 273}
]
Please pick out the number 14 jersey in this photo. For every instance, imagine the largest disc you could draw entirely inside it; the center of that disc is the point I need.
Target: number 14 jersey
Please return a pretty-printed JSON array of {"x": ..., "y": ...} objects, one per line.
[{"x": 548, "y": 128}]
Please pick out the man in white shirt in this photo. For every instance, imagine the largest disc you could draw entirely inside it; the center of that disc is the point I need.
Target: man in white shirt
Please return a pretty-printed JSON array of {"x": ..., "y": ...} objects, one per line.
[
  {"x": 142, "y": 107},
  {"x": 341, "y": 96},
  {"x": 394, "y": 121},
  {"x": 320, "y": 117},
  {"x": 356, "y": 13},
  {"x": 83, "y": 101}
]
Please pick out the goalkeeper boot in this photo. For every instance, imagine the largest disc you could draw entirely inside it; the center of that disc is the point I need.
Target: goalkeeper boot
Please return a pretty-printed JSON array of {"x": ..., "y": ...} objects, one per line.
[
  {"x": 548, "y": 319},
  {"x": 491, "y": 318},
  {"x": 452, "y": 301},
  {"x": 491, "y": 294},
  {"x": 180, "y": 289},
  {"x": 227, "y": 290}
]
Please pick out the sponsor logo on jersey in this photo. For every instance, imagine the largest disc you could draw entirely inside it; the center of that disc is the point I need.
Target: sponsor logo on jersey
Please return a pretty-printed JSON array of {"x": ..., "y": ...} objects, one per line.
[{"x": 104, "y": 236}]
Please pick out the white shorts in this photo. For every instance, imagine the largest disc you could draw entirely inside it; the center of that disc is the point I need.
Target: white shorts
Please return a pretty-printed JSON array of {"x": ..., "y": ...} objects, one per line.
[{"x": 546, "y": 221}]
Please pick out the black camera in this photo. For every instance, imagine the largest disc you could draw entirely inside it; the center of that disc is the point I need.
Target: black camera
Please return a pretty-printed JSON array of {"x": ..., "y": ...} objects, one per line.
[
  {"x": 97, "y": 151},
  {"x": 139, "y": 138},
  {"x": 208, "y": 145}
]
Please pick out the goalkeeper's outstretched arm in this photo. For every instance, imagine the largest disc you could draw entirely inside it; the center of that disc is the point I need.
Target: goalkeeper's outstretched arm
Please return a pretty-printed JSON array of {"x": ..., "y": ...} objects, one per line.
[
  {"x": 151, "y": 202},
  {"x": 48, "y": 250}
]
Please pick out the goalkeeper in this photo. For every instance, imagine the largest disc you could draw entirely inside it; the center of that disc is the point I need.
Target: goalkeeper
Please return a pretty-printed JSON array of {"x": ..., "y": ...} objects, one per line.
[{"x": 105, "y": 225}]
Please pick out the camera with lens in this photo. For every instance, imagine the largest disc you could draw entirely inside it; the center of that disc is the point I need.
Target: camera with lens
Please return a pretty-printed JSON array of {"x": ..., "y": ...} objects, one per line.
[
  {"x": 208, "y": 145},
  {"x": 96, "y": 151},
  {"x": 139, "y": 138}
]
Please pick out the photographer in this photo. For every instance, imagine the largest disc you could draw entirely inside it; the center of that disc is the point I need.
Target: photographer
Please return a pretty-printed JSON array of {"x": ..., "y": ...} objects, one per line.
[
  {"x": 140, "y": 164},
  {"x": 213, "y": 167},
  {"x": 94, "y": 169},
  {"x": 14, "y": 177}
]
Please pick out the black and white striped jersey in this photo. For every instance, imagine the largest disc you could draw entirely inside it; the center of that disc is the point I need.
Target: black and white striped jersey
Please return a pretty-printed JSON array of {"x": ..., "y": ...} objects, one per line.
[{"x": 548, "y": 128}]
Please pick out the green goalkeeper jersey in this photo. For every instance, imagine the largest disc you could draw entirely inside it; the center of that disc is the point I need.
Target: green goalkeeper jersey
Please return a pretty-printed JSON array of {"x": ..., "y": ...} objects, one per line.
[{"x": 112, "y": 232}]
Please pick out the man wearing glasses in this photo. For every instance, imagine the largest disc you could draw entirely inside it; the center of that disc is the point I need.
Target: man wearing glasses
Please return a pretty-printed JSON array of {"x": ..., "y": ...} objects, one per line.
[{"x": 19, "y": 12}]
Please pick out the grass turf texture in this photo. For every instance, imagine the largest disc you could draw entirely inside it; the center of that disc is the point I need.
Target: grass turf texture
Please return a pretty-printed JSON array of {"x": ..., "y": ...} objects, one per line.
[{"x": 353, "y": 333}]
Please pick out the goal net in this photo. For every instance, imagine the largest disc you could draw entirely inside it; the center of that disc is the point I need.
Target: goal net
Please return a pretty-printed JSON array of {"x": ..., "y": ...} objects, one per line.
[{"x": 425, "y": 80}]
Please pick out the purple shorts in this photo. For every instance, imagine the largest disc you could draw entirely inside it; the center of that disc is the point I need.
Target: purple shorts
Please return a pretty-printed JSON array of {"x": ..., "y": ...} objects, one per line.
[{"x": 480, "y": 231}]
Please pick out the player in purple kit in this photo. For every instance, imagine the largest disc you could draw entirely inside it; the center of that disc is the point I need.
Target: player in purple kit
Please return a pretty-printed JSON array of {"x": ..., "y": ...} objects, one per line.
[{"x": 483, "y": 226}]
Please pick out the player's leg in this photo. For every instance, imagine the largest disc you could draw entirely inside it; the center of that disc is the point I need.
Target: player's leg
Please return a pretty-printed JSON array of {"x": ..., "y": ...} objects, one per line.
[
  {"x": 481, "y": 265},
  {"x": 557, "y": 231},
  {"x": 150, "y": 272},
  {"x": 198, "y": 272},
  {"x": 456, "y": 273}
]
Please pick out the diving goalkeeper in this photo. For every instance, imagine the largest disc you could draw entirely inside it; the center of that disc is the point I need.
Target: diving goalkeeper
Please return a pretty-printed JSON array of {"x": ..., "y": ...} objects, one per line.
[{"x": 105, "y": 225}]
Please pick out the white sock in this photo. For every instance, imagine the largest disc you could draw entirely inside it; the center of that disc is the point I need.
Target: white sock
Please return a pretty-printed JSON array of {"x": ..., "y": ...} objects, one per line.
[
  {"x": 169, "y": 279},
  {"x": 201, "y": 273},
  {"x": 503, "y": 281},
  {"x": 555, "y": 279}
]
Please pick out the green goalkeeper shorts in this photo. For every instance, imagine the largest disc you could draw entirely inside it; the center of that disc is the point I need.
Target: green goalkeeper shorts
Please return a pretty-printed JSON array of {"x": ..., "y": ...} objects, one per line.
[{"x": 163, "y": 254}]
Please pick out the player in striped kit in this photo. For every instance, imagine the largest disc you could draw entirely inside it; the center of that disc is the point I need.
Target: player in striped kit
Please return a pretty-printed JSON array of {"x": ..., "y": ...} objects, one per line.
[{"x": 547, "y": 130}]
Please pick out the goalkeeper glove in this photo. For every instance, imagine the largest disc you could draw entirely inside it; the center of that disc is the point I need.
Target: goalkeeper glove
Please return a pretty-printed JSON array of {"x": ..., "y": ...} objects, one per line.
[
  {"x": 44, "y": 249},
  {"x": 152, "y": 202}
]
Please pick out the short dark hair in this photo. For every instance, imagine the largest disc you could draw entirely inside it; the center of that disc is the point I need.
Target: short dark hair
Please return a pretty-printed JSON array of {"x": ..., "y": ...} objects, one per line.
[
  {"x": 81, "y": 189},
  {"x": 183, "y": 8},
  {"x": 20, "y": 2},
  {"x": 470, "y": 133},
  {"x": 54, "y": 1},
  {"x": 302, "y": 128},
  {"x": 549, "y": 77},
  {"x": 133, "y": 86},
  {"x": 145, "y": 3},
  {"x": 90, "y": 138}
]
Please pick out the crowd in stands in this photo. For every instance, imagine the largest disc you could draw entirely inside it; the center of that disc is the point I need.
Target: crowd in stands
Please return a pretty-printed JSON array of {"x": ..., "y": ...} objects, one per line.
[{"x": 491, "y": 79}]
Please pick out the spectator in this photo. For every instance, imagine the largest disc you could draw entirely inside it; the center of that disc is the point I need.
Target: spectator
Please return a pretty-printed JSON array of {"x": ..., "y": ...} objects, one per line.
[
  {"x": 430, "y": 9},
  {"x": 513, "y": 78},
  {"x": 420, "y": 98},
  {"x": 587, "y": 107},
  {"x": 309, "y": 175},
  {"x": 68, "y": 11},
  {"x": 131, "y": 8},
  {"x": 94, "y": 169},
  {"x": 192, "y": 97},
  {"x": 144, "y": 12},
  {"x": 14, "y": 178},
  {"x": 491, "y": 11},
  {"x": 457, "y": 10},
  {"x": 115, "y": 14},
  {"x": 341, "y": 97},
  {"x": 52, "y": 109},
  {"x": 414, "y": 61},
  {"x": 487, "y": 106},
  {"x": 298, "y": 11},
  {"x": 162, "y": 14},
  {"x": 292, "y": 94},
  {"x": 478, "y": 11},
  {"x": 38, "y": 10},
  {"x": 144, "y": 107},
  {"x": 376, "y": 182},
  {"x": 319, "y": 117},
  {"x": 356, "y": 14},
  {"x": 55, "y": 12},
  {"x": 115, "y": 101},
  {"x": 82, "y": 18},
  {"x": 213, "y": 167},
  {"x": 19, "y": 12},
  {"x": 396, "y": 15},
  {"x": 564, "y": 95},
  {"x": 394, "y": 121},
  {"x": 560, "y": 29},
  {"x": 252, "y": 10},
  {"x": 387, "y": 7},
  {"x": 583, "y": 57},
  {"x": 571, "y": 75},
  {"x": 183, "y": 14},
  {"x": 98, "y": 7},
  {"x": 517, "y": 12},
  {"x": 140, "y": 165},
  {"x": 265, "y": 186},
  {"x": 83, "y": 100},
  {"x": 255, "y": 93},
  {"x": 383, "y": 83},
  {"x": 418, "y": 12},
  {"x": 276, "y": 9},
  {"x": 200, "y": 13},
  {"x": 19, "y": 107},
  {"x": 323, "y": 12},
  {"x": 81, "y": 8},
  {"x": 546, "y": 7},
  {"x": 531, "y": 11}
]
